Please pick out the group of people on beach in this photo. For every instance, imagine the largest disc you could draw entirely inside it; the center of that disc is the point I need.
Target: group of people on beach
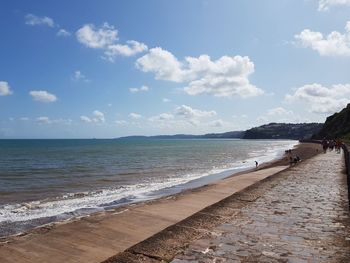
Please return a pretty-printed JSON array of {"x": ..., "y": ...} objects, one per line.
[
  {"x": 326, "y": 144},
  {"x": 331, "y": 145},
  {"x": 292, "y": 159}
]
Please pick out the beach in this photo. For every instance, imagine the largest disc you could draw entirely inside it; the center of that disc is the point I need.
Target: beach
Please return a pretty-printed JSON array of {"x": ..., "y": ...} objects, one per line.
[
  {"x": 46, "y": 181},
  {"x": 101, "y": 235}
]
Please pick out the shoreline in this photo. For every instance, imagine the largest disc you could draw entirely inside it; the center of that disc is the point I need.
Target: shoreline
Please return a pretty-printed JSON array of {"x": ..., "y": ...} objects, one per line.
[
  {"x": 188, "y": 200},
  {"x": 203, "y": 182},
  {"x": 23, "y": 227}
]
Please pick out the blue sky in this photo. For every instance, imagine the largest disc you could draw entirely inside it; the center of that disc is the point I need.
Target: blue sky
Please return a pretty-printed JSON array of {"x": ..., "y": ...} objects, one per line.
[{"x": 104, "y": 69}]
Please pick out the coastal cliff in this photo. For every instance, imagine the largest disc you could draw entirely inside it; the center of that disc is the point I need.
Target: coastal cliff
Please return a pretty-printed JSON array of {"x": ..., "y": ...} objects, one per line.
[{"x": 336, "y": 125}]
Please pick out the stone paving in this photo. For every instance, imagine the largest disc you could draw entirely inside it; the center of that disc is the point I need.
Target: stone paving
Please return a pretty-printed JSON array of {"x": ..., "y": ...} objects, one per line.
[{"x": 304, "y": 218}]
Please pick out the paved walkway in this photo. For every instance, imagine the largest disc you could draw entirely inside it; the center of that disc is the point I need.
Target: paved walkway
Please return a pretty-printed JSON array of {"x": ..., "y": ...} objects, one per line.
[{"x": 304, "y": 218}]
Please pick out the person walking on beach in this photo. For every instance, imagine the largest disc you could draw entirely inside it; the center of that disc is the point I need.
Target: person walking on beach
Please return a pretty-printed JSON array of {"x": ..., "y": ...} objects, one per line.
[
  {"x": 324, "y": 145},
  {"x": 338, "y": 145},
  {"x": 256, "y": 164}
]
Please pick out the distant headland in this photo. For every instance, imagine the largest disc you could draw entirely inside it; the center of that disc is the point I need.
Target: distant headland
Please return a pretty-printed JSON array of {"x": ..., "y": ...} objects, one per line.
[{"x": 293, "y": 131}]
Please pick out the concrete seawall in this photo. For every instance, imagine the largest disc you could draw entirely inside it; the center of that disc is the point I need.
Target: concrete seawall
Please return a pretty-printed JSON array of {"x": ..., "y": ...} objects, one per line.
[{"x": 298, "y": 215}]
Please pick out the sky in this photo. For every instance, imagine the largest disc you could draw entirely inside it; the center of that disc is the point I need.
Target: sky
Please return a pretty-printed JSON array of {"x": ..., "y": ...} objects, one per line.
[{"x": 105, "y": 69}]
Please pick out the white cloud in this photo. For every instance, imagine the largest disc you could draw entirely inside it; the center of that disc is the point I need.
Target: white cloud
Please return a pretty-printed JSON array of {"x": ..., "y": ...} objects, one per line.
[
  {"x": 63, "y": 33},
  {"x": 131, "y": 48},
  {"x": 42, "y": 96},
  {"x": 162, "y": 117},
  {"x": 78, "y": 76},
  {"x": 217, "y": 123},
  {"x": 106, "y": 38},
  {"x": 102, "y": 37},
  {"x": 85, "y": 119},
  {"x": 142, "y": 89},
  {"x": 324, "y": 5},
  {"x": 262, "y": 119},
  {"x": 43, "y": 120},
  {"x": 162, "y": 63},
  {"x": 190, "y": 113},
  {"x": 279, "y": 111},
  {"x": 33, "y": 20},
  {"x": 47, "y": 120},
  {"x": 335, "y": 44},
  {"x": 165, "y": 100},
  {"x": 320, "y": 99},
  {"x": 5, "y": 89},
  {"x": 281, "y": 115},
  {"x": 185, "y": 117},
  {"x": 121, "y": 122},
  {"x": 97, "y": 117},
  {"x": 135, "y": 116},
  {"x": 225, "y": 77},
  {"x": 24, "y": 119}
]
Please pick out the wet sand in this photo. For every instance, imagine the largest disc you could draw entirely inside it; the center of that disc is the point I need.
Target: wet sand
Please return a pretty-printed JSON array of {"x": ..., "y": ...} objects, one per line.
[{"x": 102, "y": 235}]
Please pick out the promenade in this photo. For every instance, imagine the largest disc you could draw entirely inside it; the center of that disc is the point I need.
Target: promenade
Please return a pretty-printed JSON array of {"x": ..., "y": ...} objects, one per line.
[{"x": 304, "y": 218}]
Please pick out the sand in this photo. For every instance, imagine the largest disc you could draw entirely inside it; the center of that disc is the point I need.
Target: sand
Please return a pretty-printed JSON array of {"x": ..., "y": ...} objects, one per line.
[{"x": 102, "y": 235}]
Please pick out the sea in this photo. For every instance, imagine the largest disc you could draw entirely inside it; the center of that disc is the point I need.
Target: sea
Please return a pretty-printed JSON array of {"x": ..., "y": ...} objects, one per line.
[{"x": 46, "y": 181}]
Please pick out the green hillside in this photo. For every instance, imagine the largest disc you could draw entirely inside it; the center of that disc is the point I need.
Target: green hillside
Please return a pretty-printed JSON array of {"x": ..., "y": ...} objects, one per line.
[
  {"x": 336, "y": 126},
  {"x": 296, "y": 131}
]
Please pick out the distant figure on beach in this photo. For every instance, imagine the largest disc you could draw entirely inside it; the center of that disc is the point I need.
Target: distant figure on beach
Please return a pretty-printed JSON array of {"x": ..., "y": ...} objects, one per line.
[
  {"x": 324, "y": 145},
  {"x": 256, "y": 164},
  {"x": 294, "y": 160},
  {"x": 338, "y": 145}
]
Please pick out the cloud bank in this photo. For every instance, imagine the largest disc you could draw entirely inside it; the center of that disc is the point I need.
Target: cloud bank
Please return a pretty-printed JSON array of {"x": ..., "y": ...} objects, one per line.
[
  {"x": 323, "y": 100},
  {"x": 225, "y": 77},
  {"x": 334, "y": 44}
]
